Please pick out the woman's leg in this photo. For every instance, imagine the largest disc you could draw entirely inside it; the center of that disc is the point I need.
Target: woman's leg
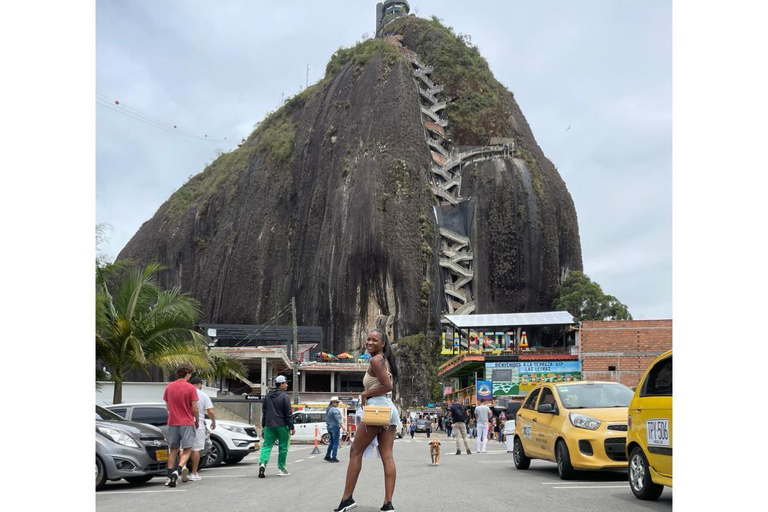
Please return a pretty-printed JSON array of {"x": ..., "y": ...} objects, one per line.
[
  {"x": 363, "y": 438},
  {"x": 386, "y": 443}
]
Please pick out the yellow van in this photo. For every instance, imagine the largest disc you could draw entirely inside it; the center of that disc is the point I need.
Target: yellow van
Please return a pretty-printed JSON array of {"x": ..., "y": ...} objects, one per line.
[{"x": 649, "y": 435}]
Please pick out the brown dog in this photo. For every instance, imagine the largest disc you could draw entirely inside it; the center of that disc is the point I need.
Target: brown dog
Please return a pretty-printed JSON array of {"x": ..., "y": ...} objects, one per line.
[{"x": 434, "y": 452}]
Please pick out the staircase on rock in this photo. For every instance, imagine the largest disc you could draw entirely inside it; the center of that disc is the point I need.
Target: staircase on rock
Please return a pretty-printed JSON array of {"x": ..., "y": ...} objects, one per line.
[{"x": 455, "y": 252}]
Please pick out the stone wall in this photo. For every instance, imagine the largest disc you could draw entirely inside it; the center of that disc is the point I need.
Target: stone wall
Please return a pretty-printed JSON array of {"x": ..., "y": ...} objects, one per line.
[{"x": 621, "y": 351}]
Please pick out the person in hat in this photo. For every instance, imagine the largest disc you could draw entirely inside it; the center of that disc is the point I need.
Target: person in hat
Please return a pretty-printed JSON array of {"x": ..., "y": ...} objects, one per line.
[
  {"x": 277, "y": 423},
  {"x": 334, "y": 424}
]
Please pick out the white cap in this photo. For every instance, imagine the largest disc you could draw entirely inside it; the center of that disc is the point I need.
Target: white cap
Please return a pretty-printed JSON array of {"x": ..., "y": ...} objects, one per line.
[
  {"x": 335, "y": 399},
  {"x": 280, "y": 379}
]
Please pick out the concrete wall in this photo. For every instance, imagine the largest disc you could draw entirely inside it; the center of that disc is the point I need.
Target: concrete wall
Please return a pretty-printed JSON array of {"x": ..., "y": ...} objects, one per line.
[
  {"x": 630, "y": 346},
  {"x": 139, "y": 392}
]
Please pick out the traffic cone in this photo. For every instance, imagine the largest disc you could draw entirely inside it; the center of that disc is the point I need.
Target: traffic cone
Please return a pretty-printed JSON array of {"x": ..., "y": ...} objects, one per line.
[{"x": 316, "y": 449}]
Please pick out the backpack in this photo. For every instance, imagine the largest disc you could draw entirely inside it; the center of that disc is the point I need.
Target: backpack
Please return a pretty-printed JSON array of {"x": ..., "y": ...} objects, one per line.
[{"x": 459, "y": 413}]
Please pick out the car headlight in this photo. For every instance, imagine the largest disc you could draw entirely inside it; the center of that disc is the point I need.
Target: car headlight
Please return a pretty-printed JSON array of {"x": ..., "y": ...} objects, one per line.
[
  {"x": 584, "y": 421},
  {"x": 117, "y": 436},
  {"x": 233, "y": 428}
]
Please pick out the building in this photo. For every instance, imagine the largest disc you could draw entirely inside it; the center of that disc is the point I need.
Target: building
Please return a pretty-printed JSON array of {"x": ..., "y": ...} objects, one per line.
[
  {"x": 622, "y": 350},
  {"x": 494, "y": 352},
  {"x": 388, "y": 11}
]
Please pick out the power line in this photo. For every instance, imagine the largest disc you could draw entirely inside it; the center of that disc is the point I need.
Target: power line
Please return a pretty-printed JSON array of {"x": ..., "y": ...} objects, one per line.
[
  {"x": 250, "y": 337},
  {"x": 116, "y": 106}
]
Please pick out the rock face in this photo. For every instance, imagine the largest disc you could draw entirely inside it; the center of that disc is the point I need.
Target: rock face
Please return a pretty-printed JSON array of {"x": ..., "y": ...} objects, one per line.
[{"x": 329, "y": 201}]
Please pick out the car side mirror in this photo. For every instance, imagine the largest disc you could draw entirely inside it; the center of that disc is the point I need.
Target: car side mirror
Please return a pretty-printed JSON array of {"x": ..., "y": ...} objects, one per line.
[{"x": 546, "y": 409}]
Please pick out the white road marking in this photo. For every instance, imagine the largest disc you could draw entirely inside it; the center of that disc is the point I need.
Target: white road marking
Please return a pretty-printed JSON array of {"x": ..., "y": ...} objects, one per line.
[
  {"x": 496, "y": 462},
  {"x": 300, "y": 460},
  {"x": 103, "y": 493},
  {"x": 312, "y": 456},
  {"x": 594, "y": 487},
  {"x": 222, "y": 476}
]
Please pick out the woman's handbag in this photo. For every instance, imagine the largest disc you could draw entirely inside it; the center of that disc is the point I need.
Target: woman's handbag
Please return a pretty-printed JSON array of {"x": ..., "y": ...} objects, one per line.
[{"x": 376, "y": 415}]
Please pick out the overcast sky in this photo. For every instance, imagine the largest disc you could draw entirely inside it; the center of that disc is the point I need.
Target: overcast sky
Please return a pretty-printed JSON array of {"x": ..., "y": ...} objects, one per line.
[{"x": 592, "y": 77}]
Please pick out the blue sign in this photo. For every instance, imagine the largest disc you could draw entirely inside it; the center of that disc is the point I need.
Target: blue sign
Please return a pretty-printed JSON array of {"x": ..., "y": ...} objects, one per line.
[
  {"x": 484, "y": 390},
  {"x": 430, "y": 405}
]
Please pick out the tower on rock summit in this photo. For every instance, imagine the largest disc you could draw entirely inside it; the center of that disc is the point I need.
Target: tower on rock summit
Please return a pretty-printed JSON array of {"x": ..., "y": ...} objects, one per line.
[{"x": 388, "y": 11}]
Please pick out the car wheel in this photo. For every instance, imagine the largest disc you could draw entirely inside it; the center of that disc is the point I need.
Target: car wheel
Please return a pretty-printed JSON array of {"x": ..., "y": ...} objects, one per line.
[
  {"x": 563, "y": 458},
  {"x": 204, "y": 461},
  {"x": 233, "y": 460},
  {"x": 135, "y": 480},
  {"x": 217, "y": 454},
  {"x": 326, "y": 439},
  {"x": 518, "y": 454},
  {"x": 640, "y": 477},
  {"x": 101, "y": 474}
]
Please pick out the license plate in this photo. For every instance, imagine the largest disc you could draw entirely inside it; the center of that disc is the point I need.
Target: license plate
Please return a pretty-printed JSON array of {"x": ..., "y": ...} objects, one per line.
[
  {"x": 658, "y": 432},
  {"x": 161, "y": 454}
]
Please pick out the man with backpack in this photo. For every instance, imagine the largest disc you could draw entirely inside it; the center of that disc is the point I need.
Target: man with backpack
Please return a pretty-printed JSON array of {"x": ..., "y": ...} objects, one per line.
[{"x": 459, "y": 417}]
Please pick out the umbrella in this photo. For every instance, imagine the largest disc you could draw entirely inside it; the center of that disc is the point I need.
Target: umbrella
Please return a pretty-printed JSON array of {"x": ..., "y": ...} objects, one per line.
[
  {"x": 345, "y": 355},
  {"x": 366, "y": 356}
]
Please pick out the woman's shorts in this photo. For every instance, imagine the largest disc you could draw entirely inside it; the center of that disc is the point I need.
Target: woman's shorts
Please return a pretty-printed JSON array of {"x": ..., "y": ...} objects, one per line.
[{"x": 394, "y": 417}]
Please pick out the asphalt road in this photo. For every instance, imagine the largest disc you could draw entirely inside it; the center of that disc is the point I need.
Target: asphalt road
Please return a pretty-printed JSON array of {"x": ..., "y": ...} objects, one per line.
[{"x": 487, "y": 482}]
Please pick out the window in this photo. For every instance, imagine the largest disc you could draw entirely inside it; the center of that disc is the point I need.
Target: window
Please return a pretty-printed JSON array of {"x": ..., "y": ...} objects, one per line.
[
  {"x": 659, "y": 381},
  {"x": 151, "y": 415},
  {"x": 548, "y": 398},
  {"x": 530, "y": 403},
  {"x": 120, "y": 411},
  {"x": 298, "y": 418}
]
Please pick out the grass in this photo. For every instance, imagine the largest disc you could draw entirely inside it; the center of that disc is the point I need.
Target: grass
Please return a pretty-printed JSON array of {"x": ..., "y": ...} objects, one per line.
[{"x": 360, "y": 55}]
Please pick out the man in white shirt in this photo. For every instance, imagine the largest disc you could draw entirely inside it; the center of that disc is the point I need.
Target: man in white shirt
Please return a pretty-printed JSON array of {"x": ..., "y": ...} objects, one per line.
[
  {"x": 205, "y": 406},
  {"x": 482, "y": 415}
]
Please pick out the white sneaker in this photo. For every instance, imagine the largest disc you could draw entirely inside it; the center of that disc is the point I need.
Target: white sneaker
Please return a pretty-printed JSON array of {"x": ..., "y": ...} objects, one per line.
[
  {"x": 185, "y": 474},
  {"x": 194, "y": 478},
  {"x": 282, "y": 472}
]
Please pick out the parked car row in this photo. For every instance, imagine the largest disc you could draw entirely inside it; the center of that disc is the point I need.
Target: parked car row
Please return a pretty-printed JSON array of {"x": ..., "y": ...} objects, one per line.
[
  {"x": 131, "y": 442},
  {"x": 587, "y": 425}
]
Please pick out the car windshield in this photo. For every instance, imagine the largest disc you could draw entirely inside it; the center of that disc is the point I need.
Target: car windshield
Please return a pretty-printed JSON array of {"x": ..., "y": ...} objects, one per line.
[
  {"x": 107, "y": 415},
  {"x": 593, "y": 396}
]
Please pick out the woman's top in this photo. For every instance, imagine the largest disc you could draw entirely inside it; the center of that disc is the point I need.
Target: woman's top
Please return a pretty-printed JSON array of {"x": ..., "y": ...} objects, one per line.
[{"x": 371, "y": 381}]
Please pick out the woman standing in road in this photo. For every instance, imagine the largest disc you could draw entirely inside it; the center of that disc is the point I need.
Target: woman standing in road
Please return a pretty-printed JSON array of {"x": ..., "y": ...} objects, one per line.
[{"x": 379, "y": 383}]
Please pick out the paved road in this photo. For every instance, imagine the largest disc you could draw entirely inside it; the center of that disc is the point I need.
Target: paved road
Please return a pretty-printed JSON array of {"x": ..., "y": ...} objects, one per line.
[{"x": 459, "y": 483}]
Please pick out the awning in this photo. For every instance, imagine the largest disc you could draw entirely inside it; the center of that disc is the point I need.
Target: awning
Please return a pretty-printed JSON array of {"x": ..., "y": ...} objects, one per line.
[{"x": 510, "y": 320}]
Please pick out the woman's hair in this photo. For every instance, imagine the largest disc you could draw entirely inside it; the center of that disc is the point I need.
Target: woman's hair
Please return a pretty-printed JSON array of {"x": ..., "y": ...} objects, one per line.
[{"x": 388, "y": 355}]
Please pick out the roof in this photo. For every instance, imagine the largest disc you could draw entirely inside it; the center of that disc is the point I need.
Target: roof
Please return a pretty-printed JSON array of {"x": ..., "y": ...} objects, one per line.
[
  {"x": 236, "y": 335},
  {"x": 511, "y": 319}
]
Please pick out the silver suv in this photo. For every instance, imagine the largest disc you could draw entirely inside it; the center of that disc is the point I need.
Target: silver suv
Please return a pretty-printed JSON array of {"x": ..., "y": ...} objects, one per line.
[
  {"x": 129, "y": 450},
  {"x": 155, "y": 413}
]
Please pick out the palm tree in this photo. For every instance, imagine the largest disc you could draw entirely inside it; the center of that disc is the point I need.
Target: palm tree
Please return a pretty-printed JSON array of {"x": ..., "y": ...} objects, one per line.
[
  {"x": 138, "y": 324},
  {"x": 222, "y": 366}
]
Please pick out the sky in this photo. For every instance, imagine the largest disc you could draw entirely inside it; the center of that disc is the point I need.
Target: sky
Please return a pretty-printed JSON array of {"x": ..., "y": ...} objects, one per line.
[{"x": 593, "y": 78}]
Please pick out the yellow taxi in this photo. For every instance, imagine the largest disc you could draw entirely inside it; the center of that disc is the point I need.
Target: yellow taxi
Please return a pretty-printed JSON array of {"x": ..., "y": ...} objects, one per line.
[
  {"x": 649, "y": 439},
  {"x": 578, "y": 425}
]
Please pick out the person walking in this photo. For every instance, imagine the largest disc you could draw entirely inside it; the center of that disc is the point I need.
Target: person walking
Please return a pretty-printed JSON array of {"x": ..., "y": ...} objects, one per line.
[
  {"x": 183, "y": 419},
  {"x": 459, "y": 418},
  {"x": 277, "y": 423},
  {"x": 482, "y": 415},
  {"x": 333, "y": 423},
  {"x": 413, "y": 428},
  {"x": 205, "y": 406},
  {"x": 378, "y": 383},
  {"x": 471, "y": 427}
]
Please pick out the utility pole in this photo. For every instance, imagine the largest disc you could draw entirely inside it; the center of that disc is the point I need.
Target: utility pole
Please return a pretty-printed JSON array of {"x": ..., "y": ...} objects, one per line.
[{"x": 295, "y": 354}]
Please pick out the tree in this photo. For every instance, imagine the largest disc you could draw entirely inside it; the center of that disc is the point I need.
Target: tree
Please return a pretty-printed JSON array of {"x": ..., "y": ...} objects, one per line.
[
  {"x": 585, "y": 300},
  {"x": 222, "y": 366},
  {"x": 138, "y": 324}
]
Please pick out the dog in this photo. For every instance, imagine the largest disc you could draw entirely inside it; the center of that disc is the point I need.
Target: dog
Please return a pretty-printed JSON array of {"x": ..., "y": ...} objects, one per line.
[{"x": 434, "y": 452}]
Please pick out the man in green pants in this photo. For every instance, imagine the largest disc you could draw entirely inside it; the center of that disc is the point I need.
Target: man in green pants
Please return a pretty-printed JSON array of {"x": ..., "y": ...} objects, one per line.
[{"x": 277, "y": 423}]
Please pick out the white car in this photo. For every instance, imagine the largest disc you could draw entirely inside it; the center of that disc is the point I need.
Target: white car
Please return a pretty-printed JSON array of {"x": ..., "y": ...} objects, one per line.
[{"x": 232, "y": 441}]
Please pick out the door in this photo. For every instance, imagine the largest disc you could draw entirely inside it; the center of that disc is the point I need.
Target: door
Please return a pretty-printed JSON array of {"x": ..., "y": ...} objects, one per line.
[
  {"x": 654, "y": 415},
  {"x": 527, "y": 417},
  {"x": 547, "y": 424},
  {"x": 300, "y": 426}
]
